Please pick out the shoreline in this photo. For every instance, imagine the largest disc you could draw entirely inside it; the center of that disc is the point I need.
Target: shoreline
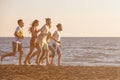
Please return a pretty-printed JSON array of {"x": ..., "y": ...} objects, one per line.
[{"x": 33, "y": 72}]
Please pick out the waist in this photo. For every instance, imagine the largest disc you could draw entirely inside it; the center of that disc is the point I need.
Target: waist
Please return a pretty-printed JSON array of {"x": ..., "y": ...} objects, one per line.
[{"x": 17, "y": 40}]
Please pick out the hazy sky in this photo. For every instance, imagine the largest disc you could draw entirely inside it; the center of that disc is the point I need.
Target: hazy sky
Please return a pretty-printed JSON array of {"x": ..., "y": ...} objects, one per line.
[{"x": 86, "y": 18}]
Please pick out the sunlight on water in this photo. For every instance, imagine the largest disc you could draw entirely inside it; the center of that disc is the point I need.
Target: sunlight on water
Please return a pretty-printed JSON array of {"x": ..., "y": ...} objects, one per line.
[{"x": 76, "y": 51}]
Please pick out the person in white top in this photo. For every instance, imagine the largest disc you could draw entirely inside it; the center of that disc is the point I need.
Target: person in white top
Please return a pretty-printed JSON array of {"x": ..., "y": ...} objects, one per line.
[
  {"x": 17, "y": 43},
  {"x": 42, "y": 39},
  {"x": 57, "y": 42},
  {"x": 44, "y": 32}
]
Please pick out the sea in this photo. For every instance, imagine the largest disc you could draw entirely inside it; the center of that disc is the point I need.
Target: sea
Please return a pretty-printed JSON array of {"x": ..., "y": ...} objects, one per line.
[{"x": 76, "y": 51}]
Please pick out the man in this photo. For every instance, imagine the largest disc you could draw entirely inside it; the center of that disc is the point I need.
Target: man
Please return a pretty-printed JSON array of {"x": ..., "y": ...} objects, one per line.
[
  {"x": 51, "y": 49},
  {"x": 57, "y": 41},
  {"x": 17, "y": 43}
]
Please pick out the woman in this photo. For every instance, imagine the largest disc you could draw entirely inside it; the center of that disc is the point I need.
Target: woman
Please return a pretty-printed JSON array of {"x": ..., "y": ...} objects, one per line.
[
  {"x": 42, "y": 40},
  {"x": 33, "y": 42}
]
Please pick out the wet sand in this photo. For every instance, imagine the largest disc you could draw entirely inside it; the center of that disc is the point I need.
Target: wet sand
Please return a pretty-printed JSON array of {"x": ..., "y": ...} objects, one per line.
[{"x": 33, "y": 72}]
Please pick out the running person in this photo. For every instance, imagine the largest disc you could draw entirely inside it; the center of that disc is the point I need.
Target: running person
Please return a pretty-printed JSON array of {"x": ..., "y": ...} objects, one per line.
[
  {"x": 51, "y": 50},
  {"x": 57, "y": 42},
  {"x": 42, "y": 40},
  {"x": 17, "y": 43},
  {"x": 33, "y": 42}
]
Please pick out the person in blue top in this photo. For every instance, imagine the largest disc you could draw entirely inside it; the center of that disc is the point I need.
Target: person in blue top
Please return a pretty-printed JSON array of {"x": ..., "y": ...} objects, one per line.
[{"x": 17, "y": 43}]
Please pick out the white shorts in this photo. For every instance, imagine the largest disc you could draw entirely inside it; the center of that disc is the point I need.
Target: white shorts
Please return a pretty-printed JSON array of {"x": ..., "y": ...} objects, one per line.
[{"x": 57, "y": 48}]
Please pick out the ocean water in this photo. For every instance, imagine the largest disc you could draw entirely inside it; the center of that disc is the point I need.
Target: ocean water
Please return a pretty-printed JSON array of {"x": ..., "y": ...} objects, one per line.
[{"x": 83, "y": 51}]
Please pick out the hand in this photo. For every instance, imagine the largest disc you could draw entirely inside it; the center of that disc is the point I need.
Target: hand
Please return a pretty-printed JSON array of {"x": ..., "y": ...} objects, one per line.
[
  {"x": 22, "y": 37},
  {"x": 59, "y": 42}
]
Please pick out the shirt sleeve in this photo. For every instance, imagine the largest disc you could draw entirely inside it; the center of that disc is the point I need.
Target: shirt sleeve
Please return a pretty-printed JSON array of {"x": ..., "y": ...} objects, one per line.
[
  {"x": 17, "y": 29},
  {"x": 55, "y": 32},
  {"x": 43, "y": 30}
]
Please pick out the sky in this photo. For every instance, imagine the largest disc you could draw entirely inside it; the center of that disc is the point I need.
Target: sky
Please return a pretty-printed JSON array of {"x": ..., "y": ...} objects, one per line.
[{"x": 80, "y": 18}]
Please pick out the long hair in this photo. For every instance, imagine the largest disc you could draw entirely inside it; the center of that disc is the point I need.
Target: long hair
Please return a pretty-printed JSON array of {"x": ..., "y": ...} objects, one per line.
[{"x": 32, "y": 25}]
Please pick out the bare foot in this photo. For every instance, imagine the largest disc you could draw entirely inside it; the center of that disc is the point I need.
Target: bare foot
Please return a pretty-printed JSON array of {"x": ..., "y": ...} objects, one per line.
[
  {"x": 29, "y": 62},
  {"x": 41, "y": 62},
  {"x": 20, "y": 63},
  {"x": 47, "y": 64},
  {"x": 52, "y": 64},
  {"x": 60, "y": 65},
  {"x": 25, "y": 62},
  {"x": 37, "y": 63}
]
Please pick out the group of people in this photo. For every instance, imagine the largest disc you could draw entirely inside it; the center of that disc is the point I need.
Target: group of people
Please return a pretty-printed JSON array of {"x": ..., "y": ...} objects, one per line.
[{"x": 46, "y": 43}]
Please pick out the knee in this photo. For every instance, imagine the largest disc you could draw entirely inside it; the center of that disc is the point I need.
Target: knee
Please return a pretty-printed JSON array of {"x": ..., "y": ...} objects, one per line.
[
  {"x": 59, "y": 54},
  {"x": 53, "y": 54},
  {"x": 38, "y": 52}
]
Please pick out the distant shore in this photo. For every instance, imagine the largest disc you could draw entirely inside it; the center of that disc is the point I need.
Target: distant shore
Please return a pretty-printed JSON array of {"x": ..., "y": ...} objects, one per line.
[{"x": 33, "y": 72}]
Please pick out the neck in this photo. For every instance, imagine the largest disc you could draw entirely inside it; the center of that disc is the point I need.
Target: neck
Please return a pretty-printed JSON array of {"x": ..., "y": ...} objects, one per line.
[
  {"x": 20, "y": 26},
  {"x": 48, "y": 25}
]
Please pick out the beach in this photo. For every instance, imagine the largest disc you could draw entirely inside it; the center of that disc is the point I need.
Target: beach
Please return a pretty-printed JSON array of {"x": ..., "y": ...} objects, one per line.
[
  {"x": 82, "y": 59},
  {"x": 33, "y": 72}
]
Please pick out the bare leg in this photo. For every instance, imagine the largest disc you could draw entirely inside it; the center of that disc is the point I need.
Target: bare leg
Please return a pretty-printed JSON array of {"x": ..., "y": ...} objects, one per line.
[
  {"x": 52, "y": 61},
  {"x": 52, "y": 54},
  {"x": 8, "y": 54},
  {"x": 47, "y": 57},
  {"x": 38, "y": 53},
  {"x": 29, "y": 54},
  {"x": 42, "y": 55},
  {"x": 20, "y": 58},
  {"x": 34, "y": 54},
  {"x": 59, "y": 58},
  {"x": 14, "y": 46}
]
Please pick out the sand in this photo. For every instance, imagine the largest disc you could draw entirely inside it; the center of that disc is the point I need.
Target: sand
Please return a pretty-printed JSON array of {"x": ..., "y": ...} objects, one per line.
[{"x": 33, "y": 72}]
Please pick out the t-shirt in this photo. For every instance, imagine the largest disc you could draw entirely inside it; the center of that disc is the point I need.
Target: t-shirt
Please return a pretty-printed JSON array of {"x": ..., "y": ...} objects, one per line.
[
  {"x": 44, "y": 30},
  {"x": 57, "y": 36},
  {"x": 19, "y": 30}
]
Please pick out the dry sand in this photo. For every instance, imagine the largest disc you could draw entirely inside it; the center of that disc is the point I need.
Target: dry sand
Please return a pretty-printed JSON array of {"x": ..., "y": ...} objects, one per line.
[{"x": 33, "y": 72}]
